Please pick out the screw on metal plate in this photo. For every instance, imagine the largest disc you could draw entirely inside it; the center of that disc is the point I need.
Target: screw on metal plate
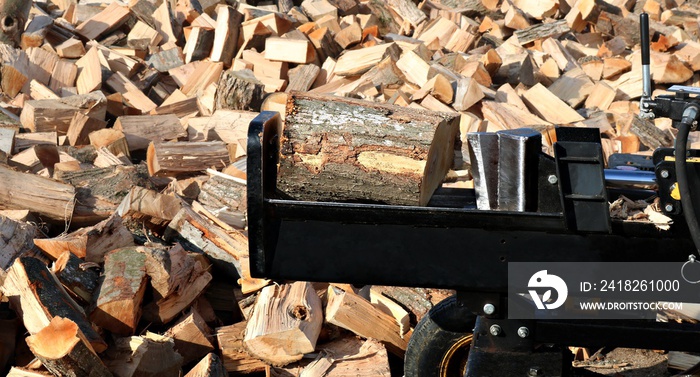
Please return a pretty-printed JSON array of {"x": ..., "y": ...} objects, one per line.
[
  {"x": 489, "y": 309},
  {"x": 664, "y": 174},
  {"x": 691, "y": 260},
  {"x": 534, "y": 372},
  {"x": 495, "y": 330},
  {"x": 523, "y": 332},
  {"x": 669, "y": 207},
  {"x": 553, "y": 179}
]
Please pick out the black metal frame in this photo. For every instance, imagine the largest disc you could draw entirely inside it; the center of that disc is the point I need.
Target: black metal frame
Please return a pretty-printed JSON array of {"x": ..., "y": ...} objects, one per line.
[{"x": 454, "y": 247}]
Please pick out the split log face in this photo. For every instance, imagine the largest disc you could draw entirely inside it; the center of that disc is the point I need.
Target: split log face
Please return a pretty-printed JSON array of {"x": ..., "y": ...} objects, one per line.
[
  {"x": 285, "y": 324},
  {"x": 339, "y": 149},
  {"x": 64, "y": 351},
  {"x": 37, "y": 296}
]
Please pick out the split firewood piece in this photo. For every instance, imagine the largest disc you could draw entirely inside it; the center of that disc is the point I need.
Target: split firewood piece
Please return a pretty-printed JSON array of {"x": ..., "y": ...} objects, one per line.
[
  {"x": 90, "y": 77},
  {"x": 504, "y": 116},
  {"x": 47, "y": 115},
  {"x": 80, "y": 128},
  {"x": 112, "y": 139},
  {"x": 199, "y": 44},
  {"x": 192, "y": 336},
  {"x": 285, "y": 324},
  {"x": 506, "y": 94},
  {"x": 613, "y": 67},
  {"x": 14, "y": 68},
  {"x": 148, "y": 355},
  {"x": 649, "y": 135},
  {"x": 15, "y": 239},
  {"x": 306, "y": 168},
  {"x": 239, "y": 90},
  {"x": 668, "y": 69},
  {"x": 210, "y": 366},
  {"x": 602, "y": 96},
  {"x": 326, "y": 46},
  {"x": 142, "y": 36},
  {"x": 24, "y": 372},
  {"x": 76, "y": 276},
  {"x": 302, "y": 77},
  {"x": 228, "y": 20},
  {"x": 90, "y": 243},
  {"x": 573, "y": 87},
  {"x": 105, "y": 158},
  {"x": 140, "y": 130},
  {"x": 350, "y": 356},
  {"x": 548, "y": 106},
  {"x": 51, "y": 199},
  {"x": 144, "y": 205},
  {"x": 468, "y": 94},
  {"x": 538, "y": 10},
  {"x": 226, "y": 197},
  {"x": 176, "y": 159},
  {"x": 113, "y": 16},
  {"x": 37, "y": 296},
  {"x": 24, "y": 141},
  {"x": 350, "y": 35},
  {"x": 390, "y": 306},
  {"x": 439, "y": 87},
  {"x": 7, "y": 140},
  {"x": 593, "y": 66},
  {"x": 354, "y": 313},
  {"x": 64, "y": 351},
  {"x": 233, "y": 353},
  {"x": 415, "y": 300},
  {"x": 228, "y": 250},
  {"x": 132, "y": 95},
  {"x": 416, "y": 70},
  {"x": 188, "y": 282},
  {"x": 56, "y": 114},
  {"x": 289, "y": 50},
  {"x": 118, "y": 302},
  {"x": 357, "y": 62},
  {"x": 541, "y": 31}
]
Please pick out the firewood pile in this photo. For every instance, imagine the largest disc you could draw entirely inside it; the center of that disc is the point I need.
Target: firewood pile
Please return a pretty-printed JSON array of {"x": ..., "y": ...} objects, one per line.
[{"x": 123, "y": 132}]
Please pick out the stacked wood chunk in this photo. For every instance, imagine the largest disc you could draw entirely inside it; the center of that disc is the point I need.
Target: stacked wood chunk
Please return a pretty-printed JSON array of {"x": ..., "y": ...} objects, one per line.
[{"x": 123, "y": 135}]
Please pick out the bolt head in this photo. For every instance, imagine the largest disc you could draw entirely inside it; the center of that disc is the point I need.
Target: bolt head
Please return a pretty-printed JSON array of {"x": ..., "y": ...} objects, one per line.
[
  {"x": 664, "y": 174},
  {"x": 534, "y": 371},
  {"x": 523, "y": 332},
  {"x": 489, "y": 309},
  {"x": 669, "y": 207},
  {"x": 495, "y": 330},
  {"x": 552, "y": 179}
]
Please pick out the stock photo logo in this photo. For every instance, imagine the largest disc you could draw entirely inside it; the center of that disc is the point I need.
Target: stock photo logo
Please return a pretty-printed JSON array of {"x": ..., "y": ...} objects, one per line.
[{"x": 543, "y": 280}]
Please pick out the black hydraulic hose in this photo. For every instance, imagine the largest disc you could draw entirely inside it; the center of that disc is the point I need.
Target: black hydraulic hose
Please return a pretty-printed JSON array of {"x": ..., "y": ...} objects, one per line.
[{"x": 690, "y": 114}]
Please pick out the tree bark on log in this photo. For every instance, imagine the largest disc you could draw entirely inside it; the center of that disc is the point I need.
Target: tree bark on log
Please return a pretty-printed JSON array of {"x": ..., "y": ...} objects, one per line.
[
  {"x": 51, "y": 199},
  {"x": 16, "y": 238},
  {"x": 118, "y": 304},
  {"x": 339, "y": 149},
  {"x": 186, "y": 158},
  {"x": 210, "y": 366},
  {"x": 64, "y": 350},
  {"x": 239, "y": 90},
  {"x": 37, "y": 296},
  {"x": 76, "y": 277}
]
